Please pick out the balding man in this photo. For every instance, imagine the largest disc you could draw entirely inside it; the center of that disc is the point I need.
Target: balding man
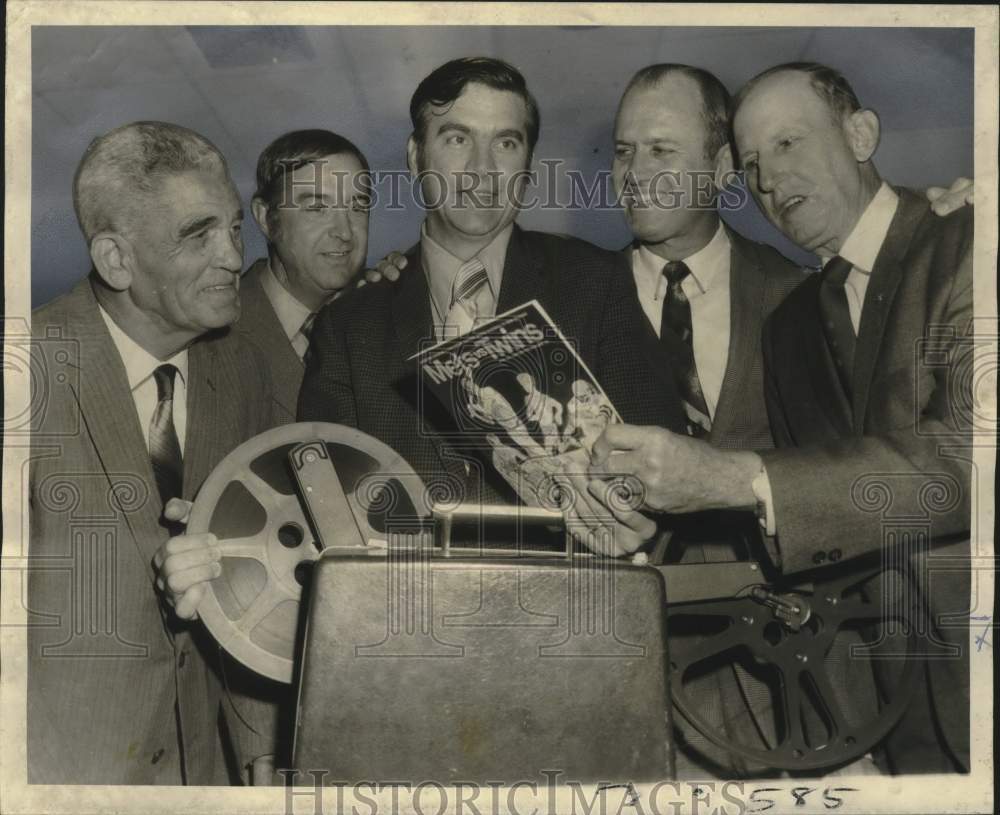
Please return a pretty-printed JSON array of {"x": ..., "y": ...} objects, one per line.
[
  {"x": 147, "y": 391},
  {"x": 851, "y": 400}
]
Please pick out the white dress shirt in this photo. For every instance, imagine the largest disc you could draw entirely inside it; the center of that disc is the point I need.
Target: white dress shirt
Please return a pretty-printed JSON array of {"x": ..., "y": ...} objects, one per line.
[
  {"x": 863, "y": 245},
  {"x": 441, "y": 268},
  {"x": 289, "y": 311},
  {"x": 139, "y": 367},
  {"x": 707, "y": 291}
]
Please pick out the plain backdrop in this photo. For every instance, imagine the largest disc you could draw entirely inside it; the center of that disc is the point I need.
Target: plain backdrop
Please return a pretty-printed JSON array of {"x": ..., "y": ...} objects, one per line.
[{"x": 243, "y": 86}]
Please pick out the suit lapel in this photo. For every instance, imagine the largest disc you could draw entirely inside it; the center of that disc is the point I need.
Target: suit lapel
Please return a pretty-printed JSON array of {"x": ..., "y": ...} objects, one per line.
[
  {"x": 523, "y": 279},
  {"x": 109, "y": 416},
  {"x": 818, "y": 366},
  {"x": 260, "y": 320},
  {"x": 204, "y": 417},
  {"x": 885, "y": 279},
  {"x": 746, "y": 307},
  {"x": 414, "y": 327}
]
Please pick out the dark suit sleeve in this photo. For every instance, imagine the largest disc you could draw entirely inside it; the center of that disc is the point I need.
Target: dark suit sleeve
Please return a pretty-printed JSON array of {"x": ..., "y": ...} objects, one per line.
[
  {"x": 327, "y": 393},
  {"x": 835, "y": 495},
  {"x": 624, "y": 367}
]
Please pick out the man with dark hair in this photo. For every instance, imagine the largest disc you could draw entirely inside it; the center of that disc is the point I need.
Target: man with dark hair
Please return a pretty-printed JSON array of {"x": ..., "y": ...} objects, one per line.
[
  {"x": 146, "y": 391},
  {"x": 852, "y": 402},
  {"x": 311, "y": 203},
  {"x": 474, "y": 128}
]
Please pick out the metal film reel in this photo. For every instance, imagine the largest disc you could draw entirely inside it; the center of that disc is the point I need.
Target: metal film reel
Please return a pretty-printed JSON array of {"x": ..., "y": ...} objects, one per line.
[
  {"x": 786, "y": 651},
  {"x": 266, "y": 533}
]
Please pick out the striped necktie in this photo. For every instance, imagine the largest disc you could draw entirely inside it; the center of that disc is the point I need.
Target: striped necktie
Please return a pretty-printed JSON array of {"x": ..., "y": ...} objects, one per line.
[
  {"x": 470, "y": 298},
  {"x": 836, "y": 314},
  {"x": 164, "y": 448},
  {"x": 677, "y": 336}
]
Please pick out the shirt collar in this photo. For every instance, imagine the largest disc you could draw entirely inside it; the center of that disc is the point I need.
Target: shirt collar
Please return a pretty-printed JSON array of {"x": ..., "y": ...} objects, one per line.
[
  {"x": 865, "y": 241},
  {"x": 289, "y": 311},
  {"x": 441, "y": 266},
  {"x": 139, "y": 363},
  {"x": 706, "y": 265}
]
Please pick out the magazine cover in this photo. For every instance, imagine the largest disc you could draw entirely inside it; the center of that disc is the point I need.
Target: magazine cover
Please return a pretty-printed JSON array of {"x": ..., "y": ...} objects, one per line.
[{"x": 520, "y": 393}]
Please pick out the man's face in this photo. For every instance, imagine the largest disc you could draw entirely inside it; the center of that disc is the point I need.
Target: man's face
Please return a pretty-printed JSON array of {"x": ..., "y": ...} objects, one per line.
[
  {"x": 321, "y": 235},
  {"x": 188, "y": 251},
  {"x": 472, "y": 156},
  {"x": 801, "y": 165},
  {"x": 659, "y": 147}
]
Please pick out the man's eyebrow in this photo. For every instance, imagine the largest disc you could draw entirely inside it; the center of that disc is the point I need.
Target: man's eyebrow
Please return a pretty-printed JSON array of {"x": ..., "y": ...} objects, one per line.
[
  {"x": 197, "y": 225},
  {"x": 453, "y": 126},
  {"x": 511, "y": 133}
]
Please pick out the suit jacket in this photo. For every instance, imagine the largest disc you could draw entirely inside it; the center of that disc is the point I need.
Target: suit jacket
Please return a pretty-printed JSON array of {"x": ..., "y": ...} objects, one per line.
[
  {"x": 105, "y": 668},
  {"x": 359, "y": 372},
  {"x": 759, "y": 279},
  {"x": 259, "y": 322},
  {"x": 893, "y": 457}
]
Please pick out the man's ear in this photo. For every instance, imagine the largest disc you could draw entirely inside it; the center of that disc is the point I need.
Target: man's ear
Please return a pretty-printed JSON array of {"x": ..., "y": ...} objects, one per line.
[
  {"x": 411, "y": 155},
  {"x": 113, "y": 259},
  {"x": 723, "y": 166},
  {"x": 259, "y": 210},
  {"x": 863, "y": 131}
]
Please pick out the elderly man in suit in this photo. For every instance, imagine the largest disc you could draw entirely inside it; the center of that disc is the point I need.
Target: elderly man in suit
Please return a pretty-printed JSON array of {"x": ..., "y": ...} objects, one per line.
[
  {"x": 311, "y": 203},
  {"x": 148, "y": 390},
  {"x": 848, "y": 396},
  {"x": 475, "y": 125}
]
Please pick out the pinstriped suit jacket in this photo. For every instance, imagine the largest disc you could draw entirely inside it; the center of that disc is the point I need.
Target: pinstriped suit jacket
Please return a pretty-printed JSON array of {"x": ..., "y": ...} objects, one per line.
[
  {"x": 259, "y": 322},
  {"x": 359, "y": 372},
  {"x": 103, "y": 670}
]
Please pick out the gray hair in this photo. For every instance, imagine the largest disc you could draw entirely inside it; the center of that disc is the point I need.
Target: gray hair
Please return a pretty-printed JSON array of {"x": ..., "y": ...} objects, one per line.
[{"x": 130, "y": 162}]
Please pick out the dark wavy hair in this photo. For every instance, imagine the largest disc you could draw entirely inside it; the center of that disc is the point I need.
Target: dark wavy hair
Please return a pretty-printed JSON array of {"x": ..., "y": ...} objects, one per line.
[{"x": 445, "y": 84}]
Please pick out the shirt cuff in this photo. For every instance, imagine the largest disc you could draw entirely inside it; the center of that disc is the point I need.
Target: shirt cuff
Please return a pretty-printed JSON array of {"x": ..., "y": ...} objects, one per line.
[{"x": 761, "y": 486}]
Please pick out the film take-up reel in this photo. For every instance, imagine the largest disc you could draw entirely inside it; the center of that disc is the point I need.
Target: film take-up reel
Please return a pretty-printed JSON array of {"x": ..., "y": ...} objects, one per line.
[
  {"x": 284, "y": 498},
  {"x": 260, "y": 506}
]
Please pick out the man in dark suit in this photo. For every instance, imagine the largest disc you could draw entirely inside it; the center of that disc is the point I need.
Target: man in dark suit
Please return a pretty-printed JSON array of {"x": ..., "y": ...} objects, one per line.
[
  {"x": 671, "y": 158},
  {"x": 857, "y": 408},
  {"x": 312, "y": 205},
  {"x": 146, "y": 392},
  {"x": 474, "y": 128}
]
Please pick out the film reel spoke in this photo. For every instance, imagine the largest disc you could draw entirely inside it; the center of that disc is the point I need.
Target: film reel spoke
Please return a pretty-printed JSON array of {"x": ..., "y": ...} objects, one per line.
[
  {"x": 261, "y": 607},
  {"x": 264, "y": 493},
  {"x": 251, "y": 548}
]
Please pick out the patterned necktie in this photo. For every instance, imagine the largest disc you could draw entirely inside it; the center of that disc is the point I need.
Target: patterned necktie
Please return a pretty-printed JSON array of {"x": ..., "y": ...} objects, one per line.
[
  {"x": 470, "y": 298},
  {"x": 306, "y": 331},
  {"x": 677, "y": 336},
  {"x": 837, "y": 326},
  {"x": 164, "y": 449}
]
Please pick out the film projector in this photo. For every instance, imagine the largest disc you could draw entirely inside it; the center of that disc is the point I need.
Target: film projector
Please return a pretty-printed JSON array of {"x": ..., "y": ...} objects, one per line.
[{"x": 420, "y": 653}]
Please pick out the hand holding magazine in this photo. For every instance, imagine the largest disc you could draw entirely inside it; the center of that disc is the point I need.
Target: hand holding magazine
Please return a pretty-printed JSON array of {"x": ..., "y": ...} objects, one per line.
[{"x": 521, "y": 394}]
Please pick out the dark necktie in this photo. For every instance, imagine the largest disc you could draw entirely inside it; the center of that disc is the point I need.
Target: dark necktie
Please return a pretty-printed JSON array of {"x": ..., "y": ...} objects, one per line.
[
  {"x": 306, "y": 330},
  {"x": 164, "y": 449},
  {"x": 836, "y": 316},
  {"x": 677, "y": 336}
]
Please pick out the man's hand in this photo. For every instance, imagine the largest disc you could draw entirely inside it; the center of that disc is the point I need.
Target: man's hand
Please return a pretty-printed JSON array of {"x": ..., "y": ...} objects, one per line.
[
  {"x": 389, "y": 267},
  {"x": 679, "y": 474},
  {"x": 944, "y": 201},
  {"x": 604, "y": 516},
  {"x": 185, "y": 564}
]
